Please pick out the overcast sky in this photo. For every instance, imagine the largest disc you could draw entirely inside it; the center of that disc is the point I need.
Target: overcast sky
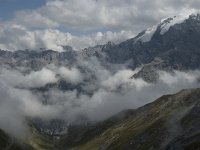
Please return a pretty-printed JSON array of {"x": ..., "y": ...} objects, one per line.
[{"x": 32, "y": 24}]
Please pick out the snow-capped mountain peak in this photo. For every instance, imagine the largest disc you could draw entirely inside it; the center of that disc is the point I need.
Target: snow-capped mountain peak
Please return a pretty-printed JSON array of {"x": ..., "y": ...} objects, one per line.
[
  {"x": 165, "y": 25},
  {"x": 148, "y": 33}
]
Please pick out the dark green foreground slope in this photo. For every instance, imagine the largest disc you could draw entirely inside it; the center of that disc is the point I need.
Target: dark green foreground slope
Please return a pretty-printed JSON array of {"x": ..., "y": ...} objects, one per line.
[
  {"x": 36, "y": 141},
  {"x": 172, "y": 122},
  {"x": 8, "y": 143}
]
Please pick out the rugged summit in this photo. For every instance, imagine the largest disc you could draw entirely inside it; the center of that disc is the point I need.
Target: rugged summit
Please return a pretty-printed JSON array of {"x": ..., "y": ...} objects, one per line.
[
  {"x": 172, "y": 44},
  {"x": 171, "y": 122}
]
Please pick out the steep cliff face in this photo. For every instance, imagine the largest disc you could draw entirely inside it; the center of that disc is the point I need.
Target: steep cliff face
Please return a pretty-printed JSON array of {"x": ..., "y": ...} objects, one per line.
[
  {"x": 172, "y": 44},
  {"x": 172, "y": 40}
]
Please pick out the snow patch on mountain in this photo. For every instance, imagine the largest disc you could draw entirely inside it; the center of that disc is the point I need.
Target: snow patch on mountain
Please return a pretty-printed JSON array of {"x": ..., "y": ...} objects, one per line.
[
  {"x": 148, "y": 34},
  {"x": 165, "y": 25},
  {"x": 169, "y": 22}
]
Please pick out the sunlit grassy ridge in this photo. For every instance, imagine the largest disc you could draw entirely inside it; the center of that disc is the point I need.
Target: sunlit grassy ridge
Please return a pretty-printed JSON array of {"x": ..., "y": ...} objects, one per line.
[
  {"x": 170, "y": 122},
  {"x": 152, "y": 126}
]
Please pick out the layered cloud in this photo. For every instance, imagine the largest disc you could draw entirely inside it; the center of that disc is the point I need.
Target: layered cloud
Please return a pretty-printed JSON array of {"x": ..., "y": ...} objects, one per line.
[
  {"x": 37, "y": 79},
  {"x": 98, "y": 14},
  {"x": 80, "y": 24},
  {"x": 16, "y": 37},
  {"x": 32, "y": 80},
  {"x": 71, "y": 75},
  {"x": 112, "y": 91}
]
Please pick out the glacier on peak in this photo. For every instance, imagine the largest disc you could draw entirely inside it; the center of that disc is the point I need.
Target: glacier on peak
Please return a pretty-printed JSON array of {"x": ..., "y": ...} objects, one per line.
[
  {"x": 148, "y": 33},
  {"x": 165, "y": 25}
]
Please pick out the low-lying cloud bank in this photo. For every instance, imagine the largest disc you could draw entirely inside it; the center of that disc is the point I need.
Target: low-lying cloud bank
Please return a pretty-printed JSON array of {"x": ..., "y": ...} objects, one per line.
[
  {"x": 53, "y": 38},
  {"x": 113, "y": 92}
]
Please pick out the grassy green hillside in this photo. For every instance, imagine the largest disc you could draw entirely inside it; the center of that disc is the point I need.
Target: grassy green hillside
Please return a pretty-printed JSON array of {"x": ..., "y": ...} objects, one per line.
[
  {"x": 36, "y": 141},
  {"x": 8, "y": 143},
  {"x": 171, "y": 122}
]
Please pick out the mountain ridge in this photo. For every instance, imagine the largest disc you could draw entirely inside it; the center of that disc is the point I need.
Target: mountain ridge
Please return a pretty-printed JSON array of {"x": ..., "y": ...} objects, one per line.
[
  {"x": 175, "y": 48},
  {"x": 170, "y": 122},
  {"x": 150, "y": 119},
  {"x": 182, "y": 35}
]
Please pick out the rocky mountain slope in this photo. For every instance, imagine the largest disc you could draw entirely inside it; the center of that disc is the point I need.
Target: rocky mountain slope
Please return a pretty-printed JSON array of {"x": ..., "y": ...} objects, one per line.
[
  {"x": 171, "y": 123},
  {"x": 35, "y": 141},
  {"x": 169, "y": 45},
  {"x": 9, "y": 143},
  {"x": 172, "y": 44}
]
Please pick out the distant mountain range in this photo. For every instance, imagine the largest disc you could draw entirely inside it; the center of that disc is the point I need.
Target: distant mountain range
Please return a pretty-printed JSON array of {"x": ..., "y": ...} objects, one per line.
[
  {"x": 172, "y": 122},
  {"x": 172, "y": 44}
]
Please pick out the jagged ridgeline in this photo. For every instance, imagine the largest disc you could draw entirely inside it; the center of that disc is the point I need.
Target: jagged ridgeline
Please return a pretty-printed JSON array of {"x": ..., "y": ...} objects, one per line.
[
  {"x": 172, "y": 122},
  {"x": 172, "y": 44}
]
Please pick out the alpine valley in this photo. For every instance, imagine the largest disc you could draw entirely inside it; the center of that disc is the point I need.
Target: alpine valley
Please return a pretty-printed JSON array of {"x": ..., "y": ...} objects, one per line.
[{"x": 141, "y": 94}]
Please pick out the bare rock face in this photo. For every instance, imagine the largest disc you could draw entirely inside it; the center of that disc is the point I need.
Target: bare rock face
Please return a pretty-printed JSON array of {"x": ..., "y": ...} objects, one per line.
[
  {"x": 171, "y": 122},
  {"x": 36, "y": 59},
  {"x": 175, "y": 44}
]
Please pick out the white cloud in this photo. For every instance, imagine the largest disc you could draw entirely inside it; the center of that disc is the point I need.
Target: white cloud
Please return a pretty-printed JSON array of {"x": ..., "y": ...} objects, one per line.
[
  {"x": 17, "y": 37},
  {"x": 134, "y": 93},
  {"x": 177, "y": 77},
  {"x": 122, "y": 79},
  {"x": 32, "y": 80},
  {"x": 16, "y": 105},
  {"x": 97, "y": 14},
  {"x": 115, "y": 91},
  {"x": 107, "y": 20},
  {"x": 72, "y": 75}
]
